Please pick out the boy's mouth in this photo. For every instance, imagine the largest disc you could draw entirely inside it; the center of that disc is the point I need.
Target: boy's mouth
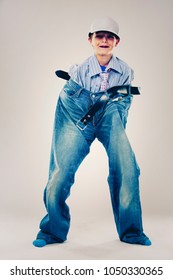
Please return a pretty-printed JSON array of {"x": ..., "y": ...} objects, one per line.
[{"x": 104, "y": 47}]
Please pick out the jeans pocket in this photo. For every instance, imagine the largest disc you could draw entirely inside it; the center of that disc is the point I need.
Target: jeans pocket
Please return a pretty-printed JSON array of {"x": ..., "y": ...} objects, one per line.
[
  {"x": 123, "y": 105},
  {"x": 69, "y": 91}
]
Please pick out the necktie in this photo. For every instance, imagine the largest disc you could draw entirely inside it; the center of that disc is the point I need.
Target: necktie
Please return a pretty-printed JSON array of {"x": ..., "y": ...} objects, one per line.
[{"x": 104, "y": 83}]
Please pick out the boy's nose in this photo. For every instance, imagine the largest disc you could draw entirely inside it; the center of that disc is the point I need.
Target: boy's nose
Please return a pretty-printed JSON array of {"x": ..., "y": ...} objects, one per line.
[{"x": 104, "y": 38}]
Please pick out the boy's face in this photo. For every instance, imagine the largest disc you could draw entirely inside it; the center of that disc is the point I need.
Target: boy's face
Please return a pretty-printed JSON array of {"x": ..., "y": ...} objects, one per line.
[{"x": 103, "y": 42}]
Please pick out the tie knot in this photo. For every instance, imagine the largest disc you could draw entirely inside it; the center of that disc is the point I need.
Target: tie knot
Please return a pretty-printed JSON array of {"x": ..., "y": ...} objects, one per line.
[{"x": 104, "y": 75}]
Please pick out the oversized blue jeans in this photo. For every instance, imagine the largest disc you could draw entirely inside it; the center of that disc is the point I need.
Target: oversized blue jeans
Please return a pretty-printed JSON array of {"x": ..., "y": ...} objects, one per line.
[{"x": 70, "y": 145}]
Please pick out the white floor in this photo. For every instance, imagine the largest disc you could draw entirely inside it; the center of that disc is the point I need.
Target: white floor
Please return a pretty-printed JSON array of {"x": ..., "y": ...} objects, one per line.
[{"x": 90, "y": 240}]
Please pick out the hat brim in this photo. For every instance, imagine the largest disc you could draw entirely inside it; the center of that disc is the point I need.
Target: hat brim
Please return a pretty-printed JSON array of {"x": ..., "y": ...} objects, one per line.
[{"x": 93, "y": 31}]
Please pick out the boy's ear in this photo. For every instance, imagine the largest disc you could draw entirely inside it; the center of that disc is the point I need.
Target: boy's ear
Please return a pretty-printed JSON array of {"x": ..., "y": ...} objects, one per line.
[
  {"x": 117, "y": 42},
  {"x": 89, "y": 40}
]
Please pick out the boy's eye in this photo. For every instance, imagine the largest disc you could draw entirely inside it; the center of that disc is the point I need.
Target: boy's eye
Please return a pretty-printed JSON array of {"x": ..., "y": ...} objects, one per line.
[
  {"x": 110, "y": 37},
  {"x": 99, "y": 36},
  {"x": 107, "y": 36}
]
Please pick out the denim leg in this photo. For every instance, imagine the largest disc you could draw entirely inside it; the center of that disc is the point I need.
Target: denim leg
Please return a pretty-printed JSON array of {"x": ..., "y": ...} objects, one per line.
[
  {"x": 123, "y": 174},
  {"x": 69, "y": 148}
]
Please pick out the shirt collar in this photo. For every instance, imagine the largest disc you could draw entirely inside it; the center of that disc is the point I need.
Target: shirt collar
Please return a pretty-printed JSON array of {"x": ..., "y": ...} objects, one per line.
[{"x": 94, "y": 67}]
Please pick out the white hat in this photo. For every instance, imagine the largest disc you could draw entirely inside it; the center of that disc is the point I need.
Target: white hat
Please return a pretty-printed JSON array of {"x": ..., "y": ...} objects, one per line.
[{"x": 105, "y": 24}]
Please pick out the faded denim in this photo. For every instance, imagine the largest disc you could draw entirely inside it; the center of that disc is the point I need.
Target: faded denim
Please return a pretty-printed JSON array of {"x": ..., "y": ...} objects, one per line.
[{"x": 70, "y": 146}]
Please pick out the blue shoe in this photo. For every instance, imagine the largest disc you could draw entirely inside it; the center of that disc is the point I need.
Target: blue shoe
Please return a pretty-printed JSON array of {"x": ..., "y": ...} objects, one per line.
[
  {"x": 148, "y": 242},
  {"x": 140, "y": 240},
  {"x": 39, "y": 243}
]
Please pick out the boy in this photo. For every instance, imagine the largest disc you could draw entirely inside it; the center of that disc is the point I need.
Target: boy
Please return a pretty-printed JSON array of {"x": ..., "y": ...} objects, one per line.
[{"x": 73, "y": 136}]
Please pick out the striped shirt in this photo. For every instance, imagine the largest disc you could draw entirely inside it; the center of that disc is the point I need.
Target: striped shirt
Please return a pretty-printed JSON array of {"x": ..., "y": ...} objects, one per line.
[{"x": 87, "y": 74}]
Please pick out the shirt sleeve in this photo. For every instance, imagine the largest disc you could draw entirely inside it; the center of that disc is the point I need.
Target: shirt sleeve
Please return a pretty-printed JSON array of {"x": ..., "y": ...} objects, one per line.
[
  {"x": 128, "y": 77},
  {"x": 73, "y": 72}
]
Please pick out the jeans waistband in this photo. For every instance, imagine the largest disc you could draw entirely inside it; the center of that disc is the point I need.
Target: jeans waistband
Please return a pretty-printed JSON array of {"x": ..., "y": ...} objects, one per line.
[{"x": 78, "y": 89}]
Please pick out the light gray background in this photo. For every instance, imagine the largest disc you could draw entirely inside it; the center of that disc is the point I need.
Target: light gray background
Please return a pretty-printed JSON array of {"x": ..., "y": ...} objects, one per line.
[{"x": 36, "y": 38}]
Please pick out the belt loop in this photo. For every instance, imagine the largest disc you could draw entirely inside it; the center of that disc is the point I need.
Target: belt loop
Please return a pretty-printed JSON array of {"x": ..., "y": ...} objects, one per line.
[{"x": 78, "y": 93}]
